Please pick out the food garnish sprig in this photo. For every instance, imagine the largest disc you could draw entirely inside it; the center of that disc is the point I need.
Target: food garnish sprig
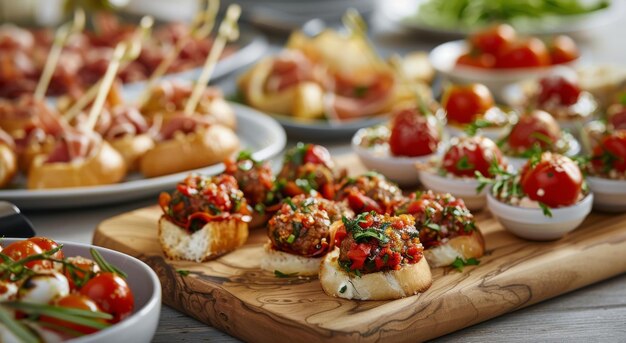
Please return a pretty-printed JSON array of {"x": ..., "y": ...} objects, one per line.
[
  {"x": 228, "y": 32},
  {"x": 60, "y": 38},
  {"x": 505, "y": 184},
  {"x": 201, "y": 26}
]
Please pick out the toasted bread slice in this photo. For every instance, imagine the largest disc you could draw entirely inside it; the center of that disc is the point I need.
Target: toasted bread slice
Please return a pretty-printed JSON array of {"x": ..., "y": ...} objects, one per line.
[
  {"x": 470, "y": 246},
  {"x": 409, "y": 280},
  {"x": 213, "y": 240},
  {"x": 289, "y": 263}
]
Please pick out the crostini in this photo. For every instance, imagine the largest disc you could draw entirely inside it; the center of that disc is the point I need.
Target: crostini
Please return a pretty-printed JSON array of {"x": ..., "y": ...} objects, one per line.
[
  {"x": 377, "y": 257},
  {"x": 447, "y": 228},
  {"x": 300, "y": 234},
  {"x": 205, "y": 217}
]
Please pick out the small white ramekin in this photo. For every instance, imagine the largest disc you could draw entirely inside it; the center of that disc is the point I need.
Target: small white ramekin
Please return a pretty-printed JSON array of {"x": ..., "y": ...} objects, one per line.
[{"x": 609, "y": 195}]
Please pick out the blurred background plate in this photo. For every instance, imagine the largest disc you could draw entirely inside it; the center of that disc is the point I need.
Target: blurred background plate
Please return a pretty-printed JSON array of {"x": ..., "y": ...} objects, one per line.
[
  {"x": 258, "y": 133},
  {"x": 406, "y": 14},
  {"x": 321, "y": 130}
]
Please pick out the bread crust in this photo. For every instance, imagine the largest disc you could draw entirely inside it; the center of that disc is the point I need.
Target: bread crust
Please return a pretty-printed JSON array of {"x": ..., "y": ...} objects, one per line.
[
  {"x": 132, "y": 148},
  {"x": 409, "y": 280},
  {"x": 466, "y": 246},
  {"x": 289, "y": 263},
  {"x": 8, "y": 164},
  {"x": 199, "y": 149},
  {"x": 211, "y": 241},
  {"x": 104, "y": 166}
]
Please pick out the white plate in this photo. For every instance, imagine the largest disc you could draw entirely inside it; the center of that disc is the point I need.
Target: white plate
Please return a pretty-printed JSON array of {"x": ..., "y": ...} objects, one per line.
[
  {"x": 258, "y": 133},
  {"x": 144, "y": 283},
  {"x": 404, "y": 13}
]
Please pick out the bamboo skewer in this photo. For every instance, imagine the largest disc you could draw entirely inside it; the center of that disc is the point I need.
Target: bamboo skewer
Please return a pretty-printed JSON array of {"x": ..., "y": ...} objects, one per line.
[
  {"x": 124, "y": 51},
  {"x": 228, "y": 32},
  {"x": 201, "y": 26},
  {"x": 60, "y": 38}
]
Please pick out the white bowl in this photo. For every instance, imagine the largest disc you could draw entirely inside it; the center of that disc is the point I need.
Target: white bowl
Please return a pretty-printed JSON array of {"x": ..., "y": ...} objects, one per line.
[
  {"x": 144, "y": 283},
  {"x": 530, "y": 223},
  {"x": 399, "y": 169},
  {"x": 443, "y": 58},
  {"x": 464, "y": 188},
  {"x": 609, "y": 195}
]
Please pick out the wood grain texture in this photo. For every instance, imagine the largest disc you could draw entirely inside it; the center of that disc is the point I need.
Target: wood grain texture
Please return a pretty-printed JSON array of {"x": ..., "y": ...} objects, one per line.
[{"x": 235, "y": 296}]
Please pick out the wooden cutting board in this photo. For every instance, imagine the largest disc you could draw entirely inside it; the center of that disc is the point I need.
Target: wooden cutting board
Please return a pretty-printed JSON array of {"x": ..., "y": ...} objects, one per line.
[{"x": 234, "y": 295}]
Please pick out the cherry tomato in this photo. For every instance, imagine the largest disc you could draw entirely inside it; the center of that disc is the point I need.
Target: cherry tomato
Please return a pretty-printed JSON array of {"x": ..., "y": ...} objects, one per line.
[
  {"x": 470, "y": 154},
  {"x": 610, "y": 154},
  {"x": 22, "y": 249},
  {"x": 465, "y": 103},
  {"x": 413, "y": 134},
  {"x": 111, "y": 293},
  {"x": 531, "y": 52},
  {"x": 80, "y": 263},
  {"x": 360, "y": 203},
  {"x": 536, "y": 127},
  {"x": 478, "y": 60},
  {"x": 317, "y": 154},
  {"x": 617, "y": 117},
  {"x": 555, "y": 180},
  {"x": 563, "y": 50},
  {"x": 46, "y": 244},
  {"x": 493, "y": 39},
  {"x": 357, "y": 254},
  {"x": 77, "y": 301},
  {"x": 559, "y": 90}
]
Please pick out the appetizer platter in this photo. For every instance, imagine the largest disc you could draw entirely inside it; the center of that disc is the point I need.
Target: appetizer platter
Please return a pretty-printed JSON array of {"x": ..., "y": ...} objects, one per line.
[
  {"x": 85, "y": 57},
  {"x": 56, "y": 291},
  {"x": 111, "y": 144},
  {"x": 334, "y": 82},
  {"x": 372, "y": 264}
]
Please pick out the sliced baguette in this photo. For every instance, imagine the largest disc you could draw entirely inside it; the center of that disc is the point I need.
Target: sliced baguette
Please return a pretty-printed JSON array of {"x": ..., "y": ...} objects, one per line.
[
  {"x": 470, "y": 246},
  {"x": 409, "y": 280},
  {"x": 289, "y": 263},
  {"x": 213, "y": 240}
]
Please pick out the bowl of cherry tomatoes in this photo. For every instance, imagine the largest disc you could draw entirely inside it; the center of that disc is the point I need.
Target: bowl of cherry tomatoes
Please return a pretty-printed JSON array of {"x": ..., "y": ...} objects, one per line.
[
  {"x": 413, "y": 136},
  {"x": 546, "y": 200},
  {"x": 57, "y": 291},
  {"x": 498, "y": 56}
]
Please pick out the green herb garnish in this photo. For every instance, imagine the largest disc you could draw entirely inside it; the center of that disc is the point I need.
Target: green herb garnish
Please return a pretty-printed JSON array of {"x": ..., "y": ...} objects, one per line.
[
  {"x": 182, "y": 272},
  {"x": 546, "y": 210},
  {"x": 464, "y": 164},
  {"x": 459, "y": 263}
]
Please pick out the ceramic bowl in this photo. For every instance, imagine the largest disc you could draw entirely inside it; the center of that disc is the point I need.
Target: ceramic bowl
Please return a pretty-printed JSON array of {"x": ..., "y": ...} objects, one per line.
[
  {"x": 464, "y": 188},
  {"x": 609, "y": 195},
  {"x": 531, "y": 223},
  {"x": 142, "y": 324},
  {"x": 399, "y": 169},
  {"x": 443, "y": 58}
]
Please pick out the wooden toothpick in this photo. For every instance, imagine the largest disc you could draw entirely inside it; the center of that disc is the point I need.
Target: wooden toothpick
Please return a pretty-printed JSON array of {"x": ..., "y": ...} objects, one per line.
[
  {"x": 201, "y": 26},
  {"x": 60, "y": 38},
  {"x": 124, "y": 51},
  {"x": 228, "y": 32}
]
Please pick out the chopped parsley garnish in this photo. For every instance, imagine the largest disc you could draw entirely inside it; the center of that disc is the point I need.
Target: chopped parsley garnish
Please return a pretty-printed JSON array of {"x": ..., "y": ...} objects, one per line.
[
  {"x": 290, "y": 203},
  {"x": 476, "y": 125},
  {"x": 464, "y": 164},
  {"x": 361, "y": 234},
  {"x": 259, "y": 208},
  {"x": 296, "y": 154},
  {"x": 214, "y": 208},
  {"x": 291, "y": 239},
  {"x": 343, "y": 289},
  {"x": 459, "y": 263},
  {"x": 433, "y": 226},
  {"x": 183, "y": 272},
  {"x": 360, "y": 91},
  {"x": 280, "y": 274}
]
